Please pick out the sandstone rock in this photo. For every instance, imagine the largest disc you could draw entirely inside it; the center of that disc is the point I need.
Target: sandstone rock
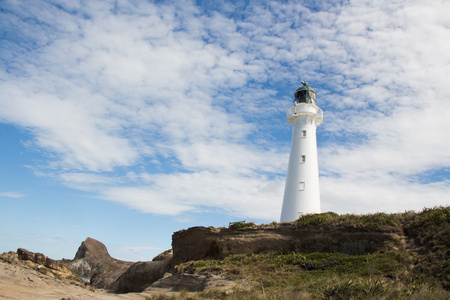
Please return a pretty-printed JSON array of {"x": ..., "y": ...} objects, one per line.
[
  {"x": 103, "y": 280},
  {"x": 53, "y": 264},
  {"x": 10, "y": 257},
  {"x": 24, "y": 254},
  {"x": 139, "y": 276},
  {"x": 92, "y": 257},
  {"x": 166, "y": 255},
  {"x": 209, "y": 243},
  {"x": 92, "y": 249},
  {"x": 135, "y": 278},
  {"x": 80, "y": 266},
  {"x": 31, "y": 260},
  {"x": 39, "y": 258},
  {"x": 191, "y": 283}
]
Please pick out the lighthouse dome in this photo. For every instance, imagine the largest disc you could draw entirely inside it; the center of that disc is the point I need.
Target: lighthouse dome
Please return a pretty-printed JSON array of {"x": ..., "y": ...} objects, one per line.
[{"x": 305, "y": 94}]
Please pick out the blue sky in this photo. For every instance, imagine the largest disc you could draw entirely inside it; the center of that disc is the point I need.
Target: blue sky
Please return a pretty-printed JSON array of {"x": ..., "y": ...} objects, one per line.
[{"x": 125, "y": 121}]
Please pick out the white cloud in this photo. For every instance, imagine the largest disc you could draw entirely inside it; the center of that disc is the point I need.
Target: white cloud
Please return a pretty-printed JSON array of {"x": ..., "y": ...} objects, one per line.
[
  {"x": 189, "y": 106},
  {"x": 178, "y": 193},
  {"x": 388, "y": 193},
  {"x": 12, "y": 194}
]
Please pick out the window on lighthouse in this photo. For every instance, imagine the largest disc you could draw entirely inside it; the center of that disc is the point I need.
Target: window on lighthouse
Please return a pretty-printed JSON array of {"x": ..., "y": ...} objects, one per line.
[
  {"x": 301, "y": 186},
  {"x": 303, "y": 133},
  {"x": 303, "y": 159}
]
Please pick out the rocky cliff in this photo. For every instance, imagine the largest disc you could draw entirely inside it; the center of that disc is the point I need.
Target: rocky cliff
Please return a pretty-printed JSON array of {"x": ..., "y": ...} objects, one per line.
[{"x": 210, "y": 243}]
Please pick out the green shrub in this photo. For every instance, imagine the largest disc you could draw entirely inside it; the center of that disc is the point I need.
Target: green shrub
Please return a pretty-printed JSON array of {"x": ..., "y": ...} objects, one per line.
[
  {"x": 317, "y": 219},
  {"x": 239, "y": 225},
  {"x": 436, "y": 215}
]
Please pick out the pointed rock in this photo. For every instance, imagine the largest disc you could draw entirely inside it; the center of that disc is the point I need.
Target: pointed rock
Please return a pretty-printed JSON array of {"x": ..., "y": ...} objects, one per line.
[{"x": 92, "y": 250}]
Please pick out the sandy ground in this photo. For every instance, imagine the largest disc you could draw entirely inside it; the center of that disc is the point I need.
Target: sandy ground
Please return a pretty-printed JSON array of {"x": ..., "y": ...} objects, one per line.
[{"x": 19, "y": 282}]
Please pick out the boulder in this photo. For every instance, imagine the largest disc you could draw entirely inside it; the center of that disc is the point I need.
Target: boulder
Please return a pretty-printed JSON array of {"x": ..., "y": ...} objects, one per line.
[
  {"x": 136, "y": 278},
  {"x": 104, "y": 280},
  {"x": 140, "y": 276}
]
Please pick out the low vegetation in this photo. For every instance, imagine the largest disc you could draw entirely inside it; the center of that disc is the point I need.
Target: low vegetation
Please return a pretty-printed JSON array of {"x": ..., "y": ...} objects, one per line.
[
  {"x": 239, "y": 225},
  {"x": 419, "y": 271}
]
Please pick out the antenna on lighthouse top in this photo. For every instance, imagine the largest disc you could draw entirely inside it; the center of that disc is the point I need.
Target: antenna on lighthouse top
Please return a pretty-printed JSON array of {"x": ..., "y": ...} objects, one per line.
[{"x": 305, "y": 94}]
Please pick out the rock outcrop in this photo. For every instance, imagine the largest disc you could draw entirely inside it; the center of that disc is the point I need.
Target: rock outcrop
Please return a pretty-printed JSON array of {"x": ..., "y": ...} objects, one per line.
[
  {"x": 40, "y": 259},
  {"x": 210, "y": 243},
  {"x": 140, "y": 276},
  {"x": 92, "y": 256},
  {"x": 93, "y": 250},
  {"x": 37, "y": 262},
  {"x": 190, "y": 282},
  {"x": 136, "y": 278}
]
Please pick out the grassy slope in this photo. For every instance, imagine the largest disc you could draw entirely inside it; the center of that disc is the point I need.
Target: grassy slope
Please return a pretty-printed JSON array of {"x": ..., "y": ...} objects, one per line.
[{"x": 420, "y": 271}]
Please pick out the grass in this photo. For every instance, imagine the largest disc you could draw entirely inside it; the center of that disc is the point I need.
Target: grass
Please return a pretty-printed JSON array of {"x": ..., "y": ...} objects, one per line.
[
  {"x": 319, "y": 276},
  {"x": 369, "y": 221}
]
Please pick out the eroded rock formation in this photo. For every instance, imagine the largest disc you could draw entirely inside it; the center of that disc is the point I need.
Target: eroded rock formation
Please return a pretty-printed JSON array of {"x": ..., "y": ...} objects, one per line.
[
  {"x": 136, "y": 278},
  {"x": 39, "y": 259},
  {"x": 210, "y": 243},
  {"x": 38, "y": 262},
  {"x": 92, "y": 256}
]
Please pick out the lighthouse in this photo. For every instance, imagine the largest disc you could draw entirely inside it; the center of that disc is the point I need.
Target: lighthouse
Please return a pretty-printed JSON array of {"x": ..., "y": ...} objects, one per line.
[{"x": 301, "y": 192}]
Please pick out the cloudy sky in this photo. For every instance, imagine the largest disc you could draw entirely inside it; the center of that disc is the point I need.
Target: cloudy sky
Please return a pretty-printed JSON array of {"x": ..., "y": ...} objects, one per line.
[{"x": 126, "y": 121}]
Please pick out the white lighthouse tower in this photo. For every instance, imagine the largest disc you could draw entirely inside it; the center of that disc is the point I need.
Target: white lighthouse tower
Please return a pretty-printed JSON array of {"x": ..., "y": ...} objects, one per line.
[{"x": 301, "y": 193}]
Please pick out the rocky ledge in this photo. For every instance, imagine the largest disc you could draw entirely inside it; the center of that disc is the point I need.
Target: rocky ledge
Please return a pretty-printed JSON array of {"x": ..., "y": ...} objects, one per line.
[{"x": 210, "y": 243}]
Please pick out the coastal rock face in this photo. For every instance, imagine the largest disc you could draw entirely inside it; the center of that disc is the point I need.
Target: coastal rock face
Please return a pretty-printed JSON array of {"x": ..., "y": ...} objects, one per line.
[
  {"x": 198, "y": 243},
  {"x": 92, "y": 256}
]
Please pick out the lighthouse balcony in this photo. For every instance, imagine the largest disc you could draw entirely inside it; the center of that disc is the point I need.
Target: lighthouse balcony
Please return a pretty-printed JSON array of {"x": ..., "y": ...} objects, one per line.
[{"x": 305, "y": 110}]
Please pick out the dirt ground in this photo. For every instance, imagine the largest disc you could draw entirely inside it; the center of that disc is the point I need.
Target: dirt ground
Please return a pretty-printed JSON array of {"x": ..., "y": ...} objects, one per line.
[{"x": 20, "y": 282}]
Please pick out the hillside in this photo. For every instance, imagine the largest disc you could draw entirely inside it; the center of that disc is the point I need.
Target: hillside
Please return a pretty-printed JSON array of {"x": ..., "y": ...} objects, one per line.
[
  {"x": 413, "y": 263},
  {"x": 320, "y": 256}
]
